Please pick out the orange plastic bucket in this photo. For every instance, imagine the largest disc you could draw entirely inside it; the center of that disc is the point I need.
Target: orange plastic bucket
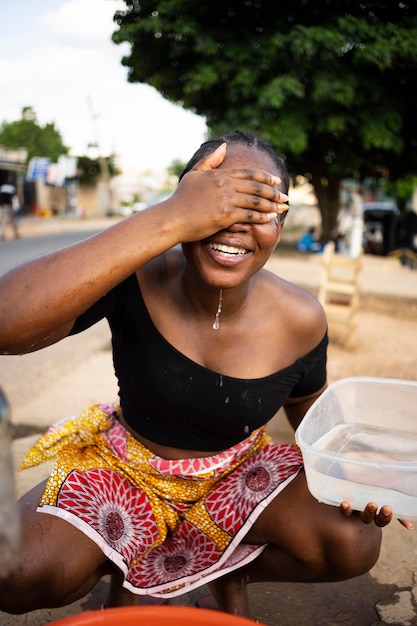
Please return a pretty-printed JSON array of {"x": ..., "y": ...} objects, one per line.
[{"x": 154, "y": 616}]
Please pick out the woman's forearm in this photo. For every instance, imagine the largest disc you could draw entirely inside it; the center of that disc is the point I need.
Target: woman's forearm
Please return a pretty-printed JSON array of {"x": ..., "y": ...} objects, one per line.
[{"x": 40, "y": 299}]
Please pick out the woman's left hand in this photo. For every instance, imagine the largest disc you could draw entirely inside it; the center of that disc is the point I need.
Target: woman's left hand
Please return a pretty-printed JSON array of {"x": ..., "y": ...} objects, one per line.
[{"x": 371, "y": 514}]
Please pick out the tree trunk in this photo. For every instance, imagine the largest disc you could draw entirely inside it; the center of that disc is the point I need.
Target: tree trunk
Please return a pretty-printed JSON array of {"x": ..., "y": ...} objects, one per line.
[{"x": 327, "y": 193}]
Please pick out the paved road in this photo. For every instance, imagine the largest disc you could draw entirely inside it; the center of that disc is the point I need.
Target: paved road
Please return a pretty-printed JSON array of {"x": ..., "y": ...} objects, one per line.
[
  {"x": 15, "y": 251},
  {"x": 25, "y": 379}
]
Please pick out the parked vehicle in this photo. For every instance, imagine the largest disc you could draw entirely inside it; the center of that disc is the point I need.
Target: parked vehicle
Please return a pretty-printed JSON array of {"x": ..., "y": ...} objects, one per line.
[{"x": 380, "y": 226}]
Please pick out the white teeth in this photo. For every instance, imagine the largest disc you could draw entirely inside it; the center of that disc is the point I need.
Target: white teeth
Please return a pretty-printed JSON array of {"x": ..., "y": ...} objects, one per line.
[{"x": 227, "y": 249}]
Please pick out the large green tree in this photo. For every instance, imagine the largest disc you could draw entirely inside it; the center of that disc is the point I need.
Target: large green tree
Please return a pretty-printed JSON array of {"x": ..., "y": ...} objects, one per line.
[
  {"x": 329, "y": 82},
  {"x": 41, "y": 141}
]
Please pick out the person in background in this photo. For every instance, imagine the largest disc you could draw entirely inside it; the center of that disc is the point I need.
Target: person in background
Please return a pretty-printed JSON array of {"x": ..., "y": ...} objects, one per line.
[
  {"x": 340, "y": 244},
  {"x": 308, "y": 242},
  {"x": 8, "y": 200},
  {"x": 180, "y": 485}
]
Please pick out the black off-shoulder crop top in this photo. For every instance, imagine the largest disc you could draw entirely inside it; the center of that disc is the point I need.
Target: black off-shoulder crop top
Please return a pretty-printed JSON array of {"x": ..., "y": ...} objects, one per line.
[{"x": 171, "y": 400}]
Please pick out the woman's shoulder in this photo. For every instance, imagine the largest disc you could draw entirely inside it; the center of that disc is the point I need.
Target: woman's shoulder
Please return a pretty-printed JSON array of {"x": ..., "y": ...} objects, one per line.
[
  {"x": 279, "y": 287},
  {"x": 295, "y": 307}
]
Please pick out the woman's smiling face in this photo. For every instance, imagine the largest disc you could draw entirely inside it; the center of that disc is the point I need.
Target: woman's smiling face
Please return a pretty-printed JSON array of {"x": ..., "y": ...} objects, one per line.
[{"x": 230, "y": 257}]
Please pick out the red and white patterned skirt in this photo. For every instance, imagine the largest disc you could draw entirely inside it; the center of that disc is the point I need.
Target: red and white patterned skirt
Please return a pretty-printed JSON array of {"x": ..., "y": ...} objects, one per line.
[{"x": 169, "y": 525}]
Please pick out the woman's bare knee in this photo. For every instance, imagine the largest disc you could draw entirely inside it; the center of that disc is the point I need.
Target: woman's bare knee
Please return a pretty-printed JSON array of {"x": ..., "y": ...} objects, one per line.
[
  {"x": 338, "y": 548},
  {"x": 58, "y": 562},
  {"x": 353, "y": 549},
  {"x": 310, "y": 541},
  {"x": 25, "y": 591}
]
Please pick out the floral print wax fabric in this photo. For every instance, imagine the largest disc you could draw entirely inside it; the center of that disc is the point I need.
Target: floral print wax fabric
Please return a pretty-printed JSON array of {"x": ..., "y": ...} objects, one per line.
[{"x": 168, "y": 525}]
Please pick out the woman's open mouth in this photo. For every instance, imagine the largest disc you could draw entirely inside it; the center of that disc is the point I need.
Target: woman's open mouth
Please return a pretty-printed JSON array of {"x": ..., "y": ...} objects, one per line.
[{"x": 227, "y": 250}]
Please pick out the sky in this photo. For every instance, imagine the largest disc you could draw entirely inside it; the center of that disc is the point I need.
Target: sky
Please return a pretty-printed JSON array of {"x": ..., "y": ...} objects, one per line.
[{"x": 57, "y": 57}]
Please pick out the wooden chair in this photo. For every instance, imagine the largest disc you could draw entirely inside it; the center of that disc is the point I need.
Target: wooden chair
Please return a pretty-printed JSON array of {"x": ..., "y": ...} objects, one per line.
[{"x": 339, "y": 294}]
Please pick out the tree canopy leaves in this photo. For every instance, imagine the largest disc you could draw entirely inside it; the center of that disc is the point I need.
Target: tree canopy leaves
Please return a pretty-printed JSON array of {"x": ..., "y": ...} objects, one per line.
[
  {"x": 330, "y": 83},
  {"x": 41, "y": 141}
]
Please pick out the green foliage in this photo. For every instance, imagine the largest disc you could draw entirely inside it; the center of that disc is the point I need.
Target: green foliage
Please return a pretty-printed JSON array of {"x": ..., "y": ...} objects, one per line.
[
  {"x": 42, "y": 141},
  {"x": 402, "y": 188},
  {"x": 89, "y": 170},
  {"x": 176, "y": 168},
  {"x": 329, "y": 82},
  {"x": 46, "y": 141}
]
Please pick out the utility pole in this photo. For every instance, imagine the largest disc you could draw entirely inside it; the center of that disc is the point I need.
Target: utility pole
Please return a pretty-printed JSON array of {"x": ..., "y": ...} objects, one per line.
[{"x": 104, "y": 166}]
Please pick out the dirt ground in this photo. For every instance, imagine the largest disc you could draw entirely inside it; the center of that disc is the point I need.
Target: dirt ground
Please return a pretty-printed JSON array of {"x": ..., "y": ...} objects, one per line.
[
  {"x": 386, "y": 322},
  {"x": 386, "y": 344}
]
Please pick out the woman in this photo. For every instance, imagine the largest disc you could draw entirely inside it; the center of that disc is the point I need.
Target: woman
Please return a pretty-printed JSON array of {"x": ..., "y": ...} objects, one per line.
[{"x": 181, "y": 486}]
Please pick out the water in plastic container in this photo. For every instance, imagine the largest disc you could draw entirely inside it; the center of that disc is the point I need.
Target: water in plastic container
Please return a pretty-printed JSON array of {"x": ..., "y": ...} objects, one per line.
[{"x": 362, "y": 463}]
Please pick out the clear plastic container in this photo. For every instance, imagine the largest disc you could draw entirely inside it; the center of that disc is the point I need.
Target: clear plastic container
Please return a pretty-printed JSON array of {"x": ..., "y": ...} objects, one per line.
[{"x": 359, "y": 444}]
